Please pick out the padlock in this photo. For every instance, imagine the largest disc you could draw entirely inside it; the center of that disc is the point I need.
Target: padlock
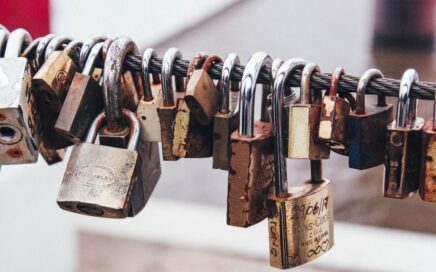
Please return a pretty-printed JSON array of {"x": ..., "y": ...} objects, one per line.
[
  {"x": 168, "y": 106},
  {"x": 19, "y": 125},
  {"x": 115, "y": 132},
  {"x": 304, "y": 120},
  {"x": 40, "y": 50},
  {"x": 367, "y": 127},
  {"x": 83, "y": 102},
  {"x": 427, "y": 189},
  {"x": 334, "y": 111},
  {"x": 147, "y": 108},
  {"x": 202, "y": 94},
  {"x": 251, "y": 172},
  {"x": 402, "y": 159},
  {"x": 103, "y": 180},
  {"x": 51, "y": 84},
  {"x": 191, "y": 139},
  {"x": 227, "y": 118}
]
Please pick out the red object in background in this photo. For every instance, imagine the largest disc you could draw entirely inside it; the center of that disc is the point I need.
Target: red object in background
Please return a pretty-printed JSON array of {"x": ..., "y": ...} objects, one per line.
[{"x": 32, "y": 15}]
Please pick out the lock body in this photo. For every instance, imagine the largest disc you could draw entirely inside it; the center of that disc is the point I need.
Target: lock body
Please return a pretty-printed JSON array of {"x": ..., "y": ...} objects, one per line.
[
  {"x": 51, "y": 156},
  {"x": 167, "y": 115},
  {"x": 301, "y": 226},
  {"x": 251, "y": 176},
  {"x": 223, "y": 125},
  {"x": 19, "y": 119},
  {"x": 149, "y": 117},
  {"x": 332, "y": 126},
  {"x": 427, "y": 189}
]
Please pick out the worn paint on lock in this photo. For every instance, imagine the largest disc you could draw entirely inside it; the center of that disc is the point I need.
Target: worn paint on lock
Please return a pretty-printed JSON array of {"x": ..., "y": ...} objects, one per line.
[
  {"x": 306, "y": 216},
  {"x": 149, "y": 117},
  {"x": 332, "y": 127},
  {"x": 223, "y": 125},
  {"x": 428, "y": 164}
]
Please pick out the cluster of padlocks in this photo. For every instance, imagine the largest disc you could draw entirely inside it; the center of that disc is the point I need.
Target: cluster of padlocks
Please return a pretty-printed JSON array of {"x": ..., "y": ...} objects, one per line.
[{"x": 116, "y": 117}]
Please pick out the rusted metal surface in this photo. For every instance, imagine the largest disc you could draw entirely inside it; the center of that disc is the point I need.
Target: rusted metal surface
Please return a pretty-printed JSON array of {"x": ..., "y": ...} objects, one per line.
[
  {"x": 251, "y": 176},
  {"x": 51, "y": 156},
  {"x": 223, "y": 126},
  {"x": 167, "y": 115},
  {"x": 332, "y": 126},
  {"x": 427, "y": 189},
  {"x": 149, "y": 117}
]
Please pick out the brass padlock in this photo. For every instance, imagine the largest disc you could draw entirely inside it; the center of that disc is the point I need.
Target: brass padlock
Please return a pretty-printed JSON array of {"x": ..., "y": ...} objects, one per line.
[
  {"x": 403, "y": 150},
  {"x": 202, "y": 94},
  {"x": 51, "y": 84},
  {"x": 191, "y": 139},
  {"x": 227, "y": 118},
  {"x": 102, "y": 180},
  {"x": 334, "y": 111},
  {"x": 168, "y": 105},
  {"x": 367, "y": 127},
  {"x": 19, "y": 126},
  {"x": 251, "y": 172},
  {"x": 83, "y": 102},
  {"x": 304, "y": 120},
  {"x": 427, "y": 189},
  {"x": 147, "y": 108},
  {"x": 116, "y": 133}
]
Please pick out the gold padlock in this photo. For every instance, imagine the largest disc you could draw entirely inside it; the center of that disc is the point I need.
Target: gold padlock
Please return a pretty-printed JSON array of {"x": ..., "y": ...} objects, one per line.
[
  {"x": 227, "y": 118},
  {"x": 147, "y": 108},
  {"x": 251, "y": 172}
]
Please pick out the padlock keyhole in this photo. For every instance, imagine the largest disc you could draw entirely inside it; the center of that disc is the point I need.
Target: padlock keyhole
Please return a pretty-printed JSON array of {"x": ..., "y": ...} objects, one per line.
[{"x": 7, "y": 132}]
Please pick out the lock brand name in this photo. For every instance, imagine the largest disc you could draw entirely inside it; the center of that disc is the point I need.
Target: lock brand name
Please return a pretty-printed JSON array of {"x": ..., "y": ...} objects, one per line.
[{"x": 96, "y": 175}]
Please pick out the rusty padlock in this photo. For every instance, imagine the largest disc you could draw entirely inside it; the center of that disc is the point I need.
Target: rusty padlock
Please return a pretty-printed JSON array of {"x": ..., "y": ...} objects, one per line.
[
  {"x": 334, "y": 111},
  {"x": 19, "y": 126},
  {"x": 191, "y": 139},
  {"x": 227, "y": 118},
  {"x": 367, "y": 127},
  {"x": 403, "y": 150},
  {"x": 168, "y": 105},
  {"x": 147, "y": 108},
  {"x": 83, "y": 102},
  {"x": 251, "y": 172}
]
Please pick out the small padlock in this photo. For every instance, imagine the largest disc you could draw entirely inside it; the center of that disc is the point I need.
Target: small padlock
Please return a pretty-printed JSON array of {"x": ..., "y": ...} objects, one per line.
[
  {"x": 334, "y": 111},
  {"x": 147, "y": 108},
  {"x": 300, "y": 220},
  {"x": 191, "y": 139},
  {"x": 202, "y": 94},
  {"x": 51, "y": 84},
  {"x": 83, "y": 102},
  {"x": 251, "y": 172},
  {"x": 427, "y": 189},
  {"x": 367, "y": 127},
  {"x": 103, "y": 180},
  {"x": 19, "y": 126},
  {"x": 304, "y": 120},
  {"x": 403, "y": 150},
  {"x": 168, "y": 106},
  {"x": 116, "y": 133},
  {"x": 227, "y": 118}
]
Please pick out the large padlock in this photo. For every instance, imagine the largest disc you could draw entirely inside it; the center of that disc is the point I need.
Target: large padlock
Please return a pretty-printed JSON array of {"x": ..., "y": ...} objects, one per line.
[
  {"x": 300, "y": 219},
  {"x": 102, "y": 180},
  {"x": 19, "y": 125},
  {"x": 191, "y": 139},
  {"x": 304, "y": 120},
  {"x": 334, "y": 111},
  {"x": 115, "y": 132},
  {"x": 227, "y": 118},
  {"x": 251, "y": 172},
  {"x": 402, "y": 160},
  {"x": 51, "y": 84},
  {"x": 83, "y": 102},
  {"x": 427, "y": 189},
  {"x": 367, "y": 127},
  {"x": 147, "y": 108},
  {"x": 202, "y": 93},
  {"x": 168, "y": 106}
]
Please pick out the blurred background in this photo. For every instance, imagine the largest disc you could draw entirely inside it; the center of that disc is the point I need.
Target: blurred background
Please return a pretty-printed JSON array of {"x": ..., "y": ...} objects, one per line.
[{"x": 183, "y": 227}]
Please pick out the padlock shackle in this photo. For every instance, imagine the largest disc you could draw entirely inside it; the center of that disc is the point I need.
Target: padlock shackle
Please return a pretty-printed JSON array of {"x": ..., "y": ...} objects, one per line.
[
  {"x": 135, "y": 129},
  {"x": 167, "y": 76},
  {"x": 30, "y": 51},
  {"x": 149, "y": 53},
  {"x": 87, "y": 47},
  {"x": 248, "y": 92},
  {"x": 4, "y": 35},
  {"x": 210, "y": 60},
  {"x": 307, "y": 94},
  {"x": 283, "y": 73},
  {"x": 18, "y": 40},
  {"x": 334, "y": 83},
  {"x": 226, "y": 84},
  {"x": 407, "y": 106},
  {"x": 196, "y": 63},
  {"x": 41, "y": 48},
  {"x": 93, "y": 56},
  {"x": 56, "y": 44},
  {"x": 362, "y": 85}
]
